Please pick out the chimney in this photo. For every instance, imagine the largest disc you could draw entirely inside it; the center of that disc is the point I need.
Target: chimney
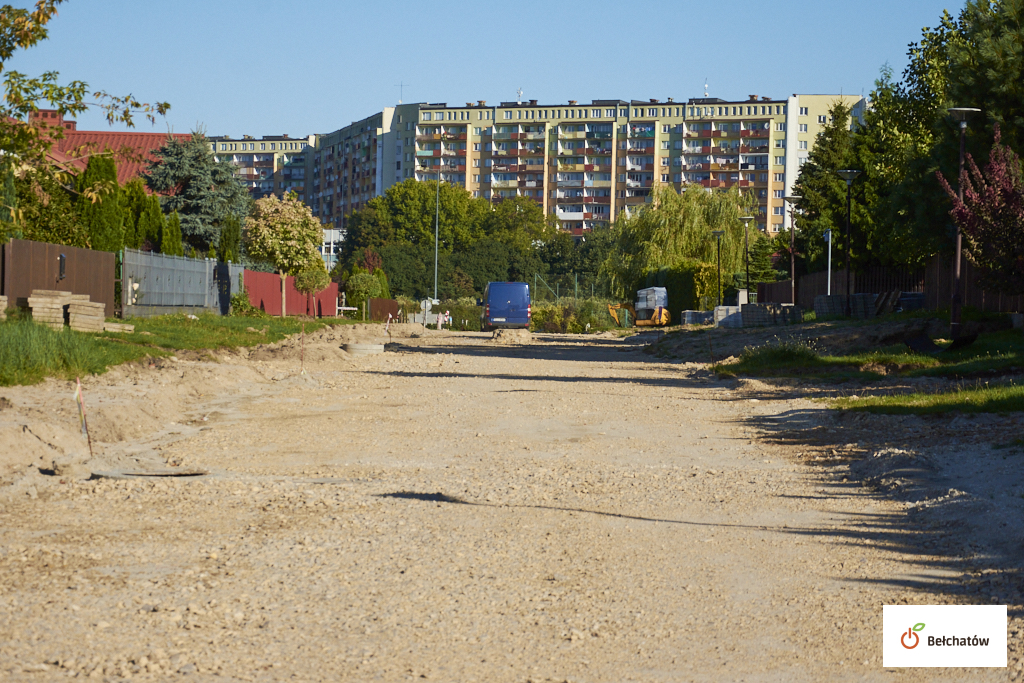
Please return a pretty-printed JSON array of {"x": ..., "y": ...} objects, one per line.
[
  {"x": 572, "y": 102},
  {"x": 70, "y": 125},
  {"x": 285, "y": 135},
  {"x": 671, "y": 100},
  {"x": 753, "y": 98},
  {"x": 469, "y": 104},
  {"x": 654, "y": 100},
  {"x": 765, "y": 98},
  {"x": 533, "y": 103},
  {"x": 482, "y": 103}
]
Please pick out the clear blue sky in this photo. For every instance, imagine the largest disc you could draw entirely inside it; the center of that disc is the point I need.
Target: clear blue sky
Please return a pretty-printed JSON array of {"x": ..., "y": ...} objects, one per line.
[{"x": 265, "y": 68}]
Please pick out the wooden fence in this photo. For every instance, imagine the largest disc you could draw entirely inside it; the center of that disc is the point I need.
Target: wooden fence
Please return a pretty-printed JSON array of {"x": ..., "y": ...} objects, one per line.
[{"x": 27, "y": 265}]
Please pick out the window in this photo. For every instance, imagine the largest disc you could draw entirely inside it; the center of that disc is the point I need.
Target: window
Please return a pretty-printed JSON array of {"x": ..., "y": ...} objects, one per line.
[
  {"x": 780, "y": 126},
  {"x": 622, "y": 177},
  {"x": 476, "y": 163},
  {"x": 652, "y": 111},
  {"x": 821, "y": 119},
  {"x": 478, "y": 130},
  {"x": 664, "y": 161},
  {"x": 272, "y": 145},
  {"x": 476, "y": 146},
  {"x": 780, "y": 143},
  {"x": 664, "y": 129},
  {"x": 665, "y": 144},
  {"x": 764, "y": 177},
  {"x": 802, "y": 160},
  {"x": 610, "y": 113},
  {"x": 664, "y": 177},
  {"x": 803, "y": 111},
  {"x": 780, "y": 177},
  {"x": 778, "y": 210},
  {"x": 508, "y": 115},
  {"x": 476, "y": 178},
  {"x": 803, "y": 127},
  {"x": 803, "y": 144},
  {"x": 779, "y": 194},
  {"x": 223, "y": 147},
  {"x": 780, "y": 161},
  {"x": 426, "y": 116}
]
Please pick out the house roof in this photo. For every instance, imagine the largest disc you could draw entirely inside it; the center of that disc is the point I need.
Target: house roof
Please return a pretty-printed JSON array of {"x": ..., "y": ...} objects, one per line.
[{"x": 77, "y": 145}]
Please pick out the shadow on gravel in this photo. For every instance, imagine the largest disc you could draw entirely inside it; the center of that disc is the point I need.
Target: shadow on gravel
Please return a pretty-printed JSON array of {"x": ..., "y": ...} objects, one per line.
[
  {"x": 932, "y": 546},
  {"x": 598, "y": 350},
  {"x": 678, "y": 381}
]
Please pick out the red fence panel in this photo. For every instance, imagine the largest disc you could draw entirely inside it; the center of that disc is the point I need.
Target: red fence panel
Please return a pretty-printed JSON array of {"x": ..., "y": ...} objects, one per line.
[{"x": 265, "y": 294}]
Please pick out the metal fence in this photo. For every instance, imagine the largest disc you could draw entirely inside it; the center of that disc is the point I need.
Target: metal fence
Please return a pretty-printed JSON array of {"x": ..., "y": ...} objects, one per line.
[
  {"x": 27, "y": 265},
  {"x": 153, "y": 284}
]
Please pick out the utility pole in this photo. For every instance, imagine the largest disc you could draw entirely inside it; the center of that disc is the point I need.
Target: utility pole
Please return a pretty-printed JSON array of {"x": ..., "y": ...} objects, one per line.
[{"x": 959, "y": 114}]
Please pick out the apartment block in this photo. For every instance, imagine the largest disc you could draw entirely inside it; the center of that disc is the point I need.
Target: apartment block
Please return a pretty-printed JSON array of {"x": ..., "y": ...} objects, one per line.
[
  {"x": 584, "y": 163},
  {"x": 272, "y": 165}
]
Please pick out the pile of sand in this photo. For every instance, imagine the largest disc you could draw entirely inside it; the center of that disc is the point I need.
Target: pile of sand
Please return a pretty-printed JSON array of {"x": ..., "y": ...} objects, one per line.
[{"x": 502, "y": 336}]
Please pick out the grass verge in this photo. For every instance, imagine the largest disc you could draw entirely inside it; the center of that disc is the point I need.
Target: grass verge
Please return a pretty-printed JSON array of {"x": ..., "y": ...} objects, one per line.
[
  {"x": 30, "y": 352},
  {"x": 976, "y": 399}
]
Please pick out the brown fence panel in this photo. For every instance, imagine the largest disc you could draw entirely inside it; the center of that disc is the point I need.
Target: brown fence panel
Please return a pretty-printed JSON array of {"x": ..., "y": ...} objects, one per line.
[
  {"x": 939, "y": 289},
  {"x": 264, "y": 291},
  {"x": 379, "y": 309},
  {"x": 31, "y": 265}
]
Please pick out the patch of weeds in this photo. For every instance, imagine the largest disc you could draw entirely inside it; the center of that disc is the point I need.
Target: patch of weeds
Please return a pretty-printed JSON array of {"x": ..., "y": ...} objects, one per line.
[{"x": 980, "y": 398}]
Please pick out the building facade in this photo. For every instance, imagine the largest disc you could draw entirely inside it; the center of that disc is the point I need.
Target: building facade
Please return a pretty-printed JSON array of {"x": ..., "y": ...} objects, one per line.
[
  {"x": 584, "y": 164},
  {"x": 272, "y": 165}
]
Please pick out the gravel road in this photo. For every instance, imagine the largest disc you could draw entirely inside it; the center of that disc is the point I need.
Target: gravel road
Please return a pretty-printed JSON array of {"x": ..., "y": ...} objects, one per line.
[{"x": 454, "y": 510}]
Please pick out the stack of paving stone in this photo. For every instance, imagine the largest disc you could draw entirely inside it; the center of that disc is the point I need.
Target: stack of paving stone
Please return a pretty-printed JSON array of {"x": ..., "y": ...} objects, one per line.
[
  {"x": 118, "y": 327},
  {"x": 829, "y": 306},
  {"x": 85, "y": 315},
  {"x": 49, "y": 307},
  {"x": 3, "y": 308},
  {"x": 761, "y": 315},
  {"x": 863, "y": 305}
]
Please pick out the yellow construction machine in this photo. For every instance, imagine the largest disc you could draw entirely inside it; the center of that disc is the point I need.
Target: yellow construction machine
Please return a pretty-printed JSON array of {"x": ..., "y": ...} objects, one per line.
[{"x": 659, "y": 318}]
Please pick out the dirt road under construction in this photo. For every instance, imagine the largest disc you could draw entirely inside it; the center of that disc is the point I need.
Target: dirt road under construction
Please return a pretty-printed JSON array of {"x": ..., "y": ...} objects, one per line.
[{"x": 454, "y": 509}]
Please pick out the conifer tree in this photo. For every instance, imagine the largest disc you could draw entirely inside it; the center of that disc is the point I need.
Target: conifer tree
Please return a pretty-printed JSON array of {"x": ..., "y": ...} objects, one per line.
[
  {"x": 761, "y": 267},
  {"x": 230, "y": 240},
  {"x": 170, "y": 240},
  {"x": 151, "y": 224},
  {"x": 99, "y": 206},
  {"x": 133, "y": 202}
]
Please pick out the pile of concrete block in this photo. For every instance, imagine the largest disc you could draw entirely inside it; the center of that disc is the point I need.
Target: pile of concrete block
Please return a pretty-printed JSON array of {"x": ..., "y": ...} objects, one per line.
[
  {"x": 829, "y": 306},
  {"x": 3, "y": 308},
  {"x": 85, "y": 315},
  {"x": 118, "y": 327},
  {"x": 728, "y": 316},
  {"x": 764, "y": 315},
  {"x": 49, "y": 307}
]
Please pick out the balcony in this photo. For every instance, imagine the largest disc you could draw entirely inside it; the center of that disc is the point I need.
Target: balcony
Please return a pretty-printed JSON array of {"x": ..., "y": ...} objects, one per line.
[
  {"x": 427, "y": 152},
  {"x": 697, "y": 167},
  {"x": 569, "y": 168},
  {"x": 534, "y": 152},
  {"x": 570, "y": 183},
  {"x": 599, "y": 136},
  {"x": 531, "y": 136},
  {"x": 503, "y": 136},
  {"x": 754, "y": 133},
  {"x": 636, "y": 133},
  {"x": 530, "y": 183},
  {"x": 574, "y": 135},
  {"x": 597, "y": 150},
  {"x": 574, "y": 216},
  {"x": 502, "y": 184},
  {"x": 597, "y": 183}
]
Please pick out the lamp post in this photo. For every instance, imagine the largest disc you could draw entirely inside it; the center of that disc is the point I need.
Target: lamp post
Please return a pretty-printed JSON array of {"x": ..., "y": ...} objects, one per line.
[
  {"x": 849, "y": 176},
  {"x": 792, "y": 201},
  {"x": 959, "y": 114},
  {"x": 828, "y": 238},
  {"x": 718, "y": 235},
  {"x": 746, "y": 248},
  {"x": 437, "y": 215}
]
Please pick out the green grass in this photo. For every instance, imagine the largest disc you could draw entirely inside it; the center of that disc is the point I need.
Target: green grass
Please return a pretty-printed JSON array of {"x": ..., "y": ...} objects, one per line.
[
  {"x": 975, "y": 399},
  {"x": 29, "y": 353}
]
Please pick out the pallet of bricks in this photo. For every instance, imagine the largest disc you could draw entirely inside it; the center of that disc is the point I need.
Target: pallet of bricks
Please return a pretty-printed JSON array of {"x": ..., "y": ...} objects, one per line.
[{"x": 48, "y": 307}]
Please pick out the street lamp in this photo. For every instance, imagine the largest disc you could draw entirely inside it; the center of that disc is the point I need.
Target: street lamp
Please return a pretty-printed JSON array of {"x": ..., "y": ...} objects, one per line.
[
  {"x": 746, "y": 247},
  {"x": 718, "y": 235},
  {"x": 959, "y": 114},
  {"x": 792, "y": 201},
  {"x": 849, "y": 176},
  {"x": 828, "y": 238},
  {"x": 437, "y": 215}
]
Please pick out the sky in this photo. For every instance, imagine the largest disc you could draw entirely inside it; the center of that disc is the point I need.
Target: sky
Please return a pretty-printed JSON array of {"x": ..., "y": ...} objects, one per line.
[{"x": 254, "y": 67}]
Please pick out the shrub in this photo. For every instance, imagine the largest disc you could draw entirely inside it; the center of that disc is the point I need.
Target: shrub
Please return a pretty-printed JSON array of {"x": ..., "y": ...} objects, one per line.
[
  {"x": 240, "y": 305},
  {"x": 360, "y": 287},
  {"x": 312, "y": 280}
]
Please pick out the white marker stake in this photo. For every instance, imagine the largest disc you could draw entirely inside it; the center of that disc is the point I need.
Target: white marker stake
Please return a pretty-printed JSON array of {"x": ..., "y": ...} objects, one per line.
[{"x": 81, "y": 413}]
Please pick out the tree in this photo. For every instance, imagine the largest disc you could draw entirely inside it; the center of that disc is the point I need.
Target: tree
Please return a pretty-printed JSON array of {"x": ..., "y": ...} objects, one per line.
[
  {"x": 99, "y": 206},
  {"x": 150, "y": 228},
  {"x": 21, "y": 29},
  {"x": 46, "y": 210},
  {"x": 8, "y": 202},
  {"x": 762, "y": 269},
  {"x": 203, "y": 191},
  {"x": 230, "y": 241},
  {"x": 284, "y": 233},
  {"x": 133, "y": 203},
  {"x": 361, "y": 287},
  {"x": 676, "y": 228},
  {"x": 170, "y": 238},
  {"x": 991, "y": 217}
]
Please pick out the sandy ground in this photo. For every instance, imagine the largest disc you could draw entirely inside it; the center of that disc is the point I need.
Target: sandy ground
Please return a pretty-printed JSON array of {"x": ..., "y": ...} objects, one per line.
[{"x": 467, "y": 509}]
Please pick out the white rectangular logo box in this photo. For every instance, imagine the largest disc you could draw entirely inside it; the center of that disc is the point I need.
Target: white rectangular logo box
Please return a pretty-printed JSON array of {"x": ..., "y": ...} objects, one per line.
[{"x": 943, "y": 635}]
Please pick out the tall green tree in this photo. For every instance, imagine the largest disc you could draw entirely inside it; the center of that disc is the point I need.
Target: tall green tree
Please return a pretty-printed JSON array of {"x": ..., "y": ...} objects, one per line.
[
  {"x": 170, "y": 238},
  {"x": 46, "y": 210},
  {"x": 230, "y": 240},
  {"x": 99, "y": 206},
  {"x": 150, "y": 228},
  {"x": 133, "y": 203},
  {"x": 203, "y": 191}
]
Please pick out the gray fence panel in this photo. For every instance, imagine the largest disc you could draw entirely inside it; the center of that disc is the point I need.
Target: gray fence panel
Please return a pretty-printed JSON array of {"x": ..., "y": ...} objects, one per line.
[{"x": 168, "y": 280}]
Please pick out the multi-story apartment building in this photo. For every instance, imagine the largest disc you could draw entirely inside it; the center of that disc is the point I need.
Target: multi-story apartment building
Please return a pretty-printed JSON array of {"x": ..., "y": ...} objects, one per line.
[
  {"x": 272, "y": 165},
  {"x": 585, "y": 164}
]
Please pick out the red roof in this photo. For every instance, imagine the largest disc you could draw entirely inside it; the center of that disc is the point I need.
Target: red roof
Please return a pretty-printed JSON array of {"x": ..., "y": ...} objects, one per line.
[{"x": 82, "y": 143}]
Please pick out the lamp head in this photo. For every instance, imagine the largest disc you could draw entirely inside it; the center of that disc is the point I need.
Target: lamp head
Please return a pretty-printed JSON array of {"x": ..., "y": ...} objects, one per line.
[
  {"x": 962, "y": 113},
  {"x": 849, "y": 175},
  {"x": 718, "y": 233},
  {"x": 746, "y": 219},
  {"x": 792, "y": 199}
]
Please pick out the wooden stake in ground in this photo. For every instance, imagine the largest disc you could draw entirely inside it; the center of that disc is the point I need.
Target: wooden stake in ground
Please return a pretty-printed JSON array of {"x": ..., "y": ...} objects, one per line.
[
  {"x": 711, "y": 351},
  {"x": 387, "y": 327},
  {"x": 302, "y": 351},
  {"x": 81, "y": 413}
]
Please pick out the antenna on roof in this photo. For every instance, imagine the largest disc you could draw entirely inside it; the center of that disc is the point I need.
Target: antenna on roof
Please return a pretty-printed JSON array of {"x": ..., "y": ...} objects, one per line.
[
  {"x": 520, "y": 94},
  {"x": 705, "y": 86},
  {"x": 401, "y": 90}
]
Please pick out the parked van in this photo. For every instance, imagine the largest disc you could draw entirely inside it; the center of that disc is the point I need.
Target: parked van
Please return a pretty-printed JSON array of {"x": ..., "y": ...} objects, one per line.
[{"x": 506, "y": 304}]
